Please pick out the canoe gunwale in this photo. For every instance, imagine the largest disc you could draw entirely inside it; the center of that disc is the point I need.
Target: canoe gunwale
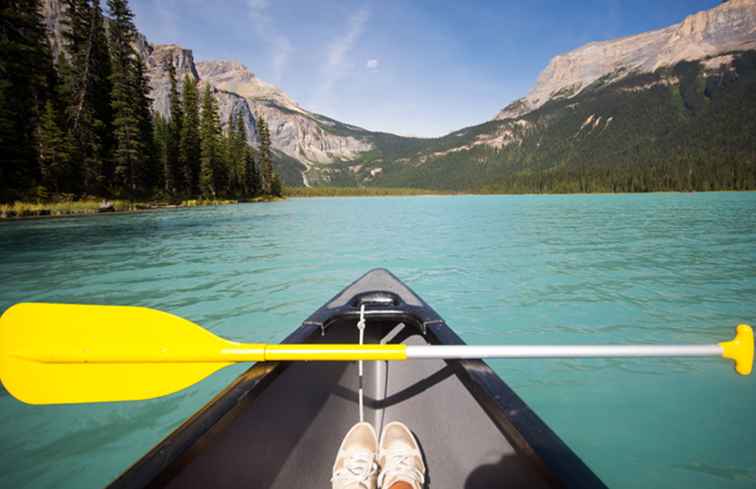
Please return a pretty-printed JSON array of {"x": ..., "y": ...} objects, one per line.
[{"x": 522, "y": 427}]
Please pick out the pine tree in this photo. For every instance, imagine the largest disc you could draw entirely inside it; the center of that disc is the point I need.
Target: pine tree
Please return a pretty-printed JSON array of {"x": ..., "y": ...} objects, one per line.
[
  {"x": 252, "y": 174},
  {"x": 128, "y": 151},
  {"x": 173, "y": 178},
  {"x": 276, "y": 187},
  {"x": 88, "y": 89},
  {"x": 210, "y": 135},
  {"x": 266, "y": 161},
  {"x": 55, "y": 150},
  {"x": 223, "y": 160},
  {"x": 10, "y": 160},
  {"x": 25, "y": 73},
  {"x": 73, "y": 65},
  {"x": 240, "y": 148},
  {"x": 101, "y": 91},
  {"x": 71, "y": 181},
  {"x": 229, "y": 156},
  {"x": 252, "y": 185},
  {"x": 235, "y": 145},
  {"x": 152, "y": 170},
  {"x": 190, "y": 145},
  {"x": 161, "y": 144}
]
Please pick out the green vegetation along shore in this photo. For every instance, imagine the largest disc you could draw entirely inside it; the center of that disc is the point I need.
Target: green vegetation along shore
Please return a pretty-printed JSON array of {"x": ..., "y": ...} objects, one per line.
[
  {"x": 359, "y": 191},
  {"x": 99, "y": 206},
  {"x": 93, "y": 206}
]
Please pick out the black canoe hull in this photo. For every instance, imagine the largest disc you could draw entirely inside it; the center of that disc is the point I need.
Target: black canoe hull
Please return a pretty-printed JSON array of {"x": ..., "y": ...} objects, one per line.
[{"x": 279, "y": 424}]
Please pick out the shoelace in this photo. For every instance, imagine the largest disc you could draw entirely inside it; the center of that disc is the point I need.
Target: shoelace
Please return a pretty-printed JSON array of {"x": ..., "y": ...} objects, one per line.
[
  {"x": 357, "y": 469},
  {"x": 402, "y": 464}
]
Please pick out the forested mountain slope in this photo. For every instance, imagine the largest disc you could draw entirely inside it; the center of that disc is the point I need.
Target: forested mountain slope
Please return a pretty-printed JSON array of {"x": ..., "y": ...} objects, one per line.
[
  {"x": 691, "y": 126},
  {"x": 671, "y": 109}
]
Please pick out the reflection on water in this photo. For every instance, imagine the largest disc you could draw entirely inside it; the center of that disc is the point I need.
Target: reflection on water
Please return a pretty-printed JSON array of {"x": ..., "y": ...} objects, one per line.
[{"x": 529, "y": 269}]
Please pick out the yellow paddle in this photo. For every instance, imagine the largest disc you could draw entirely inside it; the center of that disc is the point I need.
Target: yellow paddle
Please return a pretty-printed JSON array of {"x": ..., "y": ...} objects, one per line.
[{"x": 60, "y": 353}]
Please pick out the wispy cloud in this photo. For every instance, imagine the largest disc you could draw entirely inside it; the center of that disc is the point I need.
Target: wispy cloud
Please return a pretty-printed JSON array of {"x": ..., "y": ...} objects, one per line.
[
  {"x": 166, "y": 14},
  {"x": 337, "y": 51},
  {"x": 372, "y": 64},
  {"x": 265, "y": 29}
]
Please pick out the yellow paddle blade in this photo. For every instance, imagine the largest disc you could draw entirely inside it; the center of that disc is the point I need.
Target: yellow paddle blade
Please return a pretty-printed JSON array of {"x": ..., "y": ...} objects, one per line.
[{"x": 60, "y": 353}]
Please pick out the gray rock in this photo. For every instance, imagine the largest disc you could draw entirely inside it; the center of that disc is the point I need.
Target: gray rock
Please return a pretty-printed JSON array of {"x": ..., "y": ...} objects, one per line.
[
  {"x": 300, "y": 134},
  {"x": 727, "y": 27}
]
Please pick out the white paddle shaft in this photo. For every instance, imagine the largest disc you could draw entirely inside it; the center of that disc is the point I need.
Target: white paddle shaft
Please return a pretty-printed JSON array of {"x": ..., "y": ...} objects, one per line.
[{"x": 561, "y": 351}]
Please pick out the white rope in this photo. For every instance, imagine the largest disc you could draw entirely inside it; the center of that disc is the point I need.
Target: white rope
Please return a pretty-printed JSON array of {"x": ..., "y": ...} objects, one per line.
[{"x": 361, "y": 328}]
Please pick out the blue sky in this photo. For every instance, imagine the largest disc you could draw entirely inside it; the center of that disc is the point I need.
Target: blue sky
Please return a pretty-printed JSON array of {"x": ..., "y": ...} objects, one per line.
[{"x": 421, "y": 68}]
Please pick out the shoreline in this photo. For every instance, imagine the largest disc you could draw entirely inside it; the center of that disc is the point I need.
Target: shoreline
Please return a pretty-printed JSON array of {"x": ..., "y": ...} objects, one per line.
[
  {"x": 314, "y": 192},
  {"x": 21, "y": 211},
  {"x": 33, "y": 211},
  {"x": 324, "y": 192}
]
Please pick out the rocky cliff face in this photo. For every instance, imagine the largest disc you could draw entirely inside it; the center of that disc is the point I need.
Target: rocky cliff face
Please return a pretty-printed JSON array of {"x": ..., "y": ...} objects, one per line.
[
  {"x": 158, "y": 57},
  {"x": 295, "y": 132},
  {"x": 300, "y": 134},
  {"x": 235, "y": 77},
  {"x": 725, "y": 28},
  {"x": 52, "y": 11}
]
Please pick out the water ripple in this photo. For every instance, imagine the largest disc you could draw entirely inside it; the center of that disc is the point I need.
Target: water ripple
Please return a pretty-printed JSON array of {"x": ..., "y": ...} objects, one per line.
[{"x": 662, "y": 268}]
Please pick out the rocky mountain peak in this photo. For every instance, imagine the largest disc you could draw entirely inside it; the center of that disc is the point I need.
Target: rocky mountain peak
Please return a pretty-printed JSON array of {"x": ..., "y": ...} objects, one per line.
[
  {"x": 156, "y": 58},
  {"x": 234, "y": 77},
  {"x": 160, "y": 55},
  {"x": 728, "y": 27},
  {"x": 298, "y": 133}
]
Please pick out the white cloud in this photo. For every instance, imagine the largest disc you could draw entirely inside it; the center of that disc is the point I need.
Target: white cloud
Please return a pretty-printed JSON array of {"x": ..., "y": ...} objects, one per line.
[
  {"x": 265, "y": 29},
  {"x": 340, "y": 47},
  {"x": 336, "y": 64},
  {"x": 258, "y": 5},
  {"x": 372, "y": 64}
]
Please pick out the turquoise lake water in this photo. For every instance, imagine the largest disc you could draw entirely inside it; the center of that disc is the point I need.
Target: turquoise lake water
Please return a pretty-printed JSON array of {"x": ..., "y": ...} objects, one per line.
[{"x": 660, "y": 268}]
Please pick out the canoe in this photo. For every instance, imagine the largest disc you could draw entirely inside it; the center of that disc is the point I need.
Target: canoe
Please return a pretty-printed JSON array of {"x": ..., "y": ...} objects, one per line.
[{"x": 279, "y": 425}]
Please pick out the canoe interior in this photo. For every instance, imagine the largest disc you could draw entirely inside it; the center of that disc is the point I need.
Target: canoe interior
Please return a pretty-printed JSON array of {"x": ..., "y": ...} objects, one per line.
[
  {"x": 287, "y": 435},
  {"x": 279, "y": 425}
]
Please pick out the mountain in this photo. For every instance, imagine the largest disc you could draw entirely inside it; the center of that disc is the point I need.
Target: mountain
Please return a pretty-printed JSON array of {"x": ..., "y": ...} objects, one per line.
[
  {"x": 314, "y": 140},
  {"x": 331, "y": 152},
  {"x": 685, "y": 127},
  {"x": 726, "y": 28},
  {"x": 673, "y": 109},
  {"x": 157, "y": 57},
  {"x": 309, "y": 148}
]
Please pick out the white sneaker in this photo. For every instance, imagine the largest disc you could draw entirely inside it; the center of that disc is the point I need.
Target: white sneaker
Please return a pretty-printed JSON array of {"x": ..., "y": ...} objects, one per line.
[
  {"x": 400, "y": 458},
  {"x": 355, "y": 466}
]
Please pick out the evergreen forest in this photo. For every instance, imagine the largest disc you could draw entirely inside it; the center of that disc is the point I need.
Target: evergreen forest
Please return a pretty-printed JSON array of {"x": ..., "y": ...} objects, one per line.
[{"x": 80, "y": 124}]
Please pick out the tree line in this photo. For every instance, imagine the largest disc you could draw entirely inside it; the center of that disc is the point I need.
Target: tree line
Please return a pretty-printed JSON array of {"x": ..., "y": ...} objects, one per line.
[
  {"x": 670, "y": 176},
  {"x": 82, "y": 125}
]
